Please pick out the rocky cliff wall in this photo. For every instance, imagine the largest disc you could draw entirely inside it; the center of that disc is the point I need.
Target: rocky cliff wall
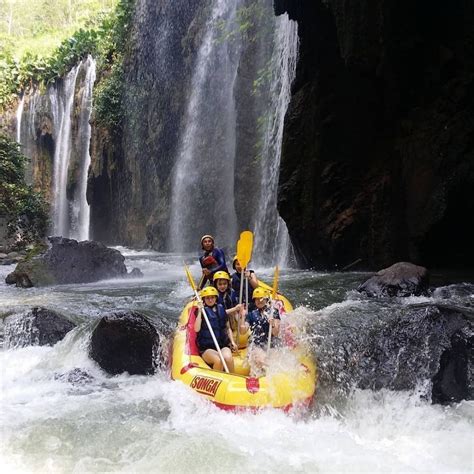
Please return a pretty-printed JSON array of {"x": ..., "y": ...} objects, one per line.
[{"x": 378, "y": 152}]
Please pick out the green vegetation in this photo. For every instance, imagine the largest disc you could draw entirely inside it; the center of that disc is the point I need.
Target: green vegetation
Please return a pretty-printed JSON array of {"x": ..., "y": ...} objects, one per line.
[
  {"x": 24, "y": 209},
  {"x": 103, "y": 36}
]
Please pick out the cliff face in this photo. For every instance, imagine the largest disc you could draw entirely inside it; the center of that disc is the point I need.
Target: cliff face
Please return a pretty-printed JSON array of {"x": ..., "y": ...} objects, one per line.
[
  {"x": 130, "y": 178},
  {"x": 378, "y": 152}
]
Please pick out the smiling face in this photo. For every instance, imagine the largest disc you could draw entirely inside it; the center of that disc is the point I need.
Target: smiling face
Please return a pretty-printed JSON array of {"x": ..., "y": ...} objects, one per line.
[
  {"x": 210, "y": 300},
  {"x": 207, "y": 244},
  {"x": 237, "y": 266},
  {"x": 222, "y": 284}
]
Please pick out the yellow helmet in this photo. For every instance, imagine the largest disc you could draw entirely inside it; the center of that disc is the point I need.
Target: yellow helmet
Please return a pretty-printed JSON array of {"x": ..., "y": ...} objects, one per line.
[
  {"x": 208, "y": 291},
  {"x": 221, "y": 274},
  {"x": 259, "y": 292}
]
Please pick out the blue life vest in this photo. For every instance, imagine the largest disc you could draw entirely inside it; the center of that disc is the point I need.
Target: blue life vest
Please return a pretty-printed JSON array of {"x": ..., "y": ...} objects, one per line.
[
  {"x": 228, "y": 299},
  {"x": 214, "y": 261},
  {"x": 218, "y": 320},
  {"x": 259, "y": 325}
]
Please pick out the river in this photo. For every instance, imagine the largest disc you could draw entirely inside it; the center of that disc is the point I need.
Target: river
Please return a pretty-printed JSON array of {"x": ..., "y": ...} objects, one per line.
[{"x": 152, "y": 424}]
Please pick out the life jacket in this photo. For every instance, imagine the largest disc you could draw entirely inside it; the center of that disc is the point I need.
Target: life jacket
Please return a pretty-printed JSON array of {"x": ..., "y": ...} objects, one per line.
[
  {"x": 228, "y": 299},
  {"x": 259, "y": 325},
  {"x": 218, "y": 320}
]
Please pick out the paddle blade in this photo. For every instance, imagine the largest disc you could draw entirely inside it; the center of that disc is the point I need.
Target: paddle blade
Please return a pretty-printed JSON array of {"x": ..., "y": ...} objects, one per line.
[
  {"x": 244, "y": 248},
  {"x": 275, "y": 282},
  {"x": 190, "y": 277}
]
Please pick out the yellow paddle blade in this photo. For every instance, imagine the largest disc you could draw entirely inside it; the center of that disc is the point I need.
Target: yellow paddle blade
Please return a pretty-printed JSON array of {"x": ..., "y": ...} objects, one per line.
[
  {"x": 244, "y": 248},
  {"x": 275, "y": 282},
  {"x": 190, "y": 277}
]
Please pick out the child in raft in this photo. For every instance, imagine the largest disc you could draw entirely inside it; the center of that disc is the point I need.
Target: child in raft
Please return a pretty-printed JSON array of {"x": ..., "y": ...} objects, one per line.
[
  {"x": 259, "y": 321},
  {"x": 219, "y": 321}
]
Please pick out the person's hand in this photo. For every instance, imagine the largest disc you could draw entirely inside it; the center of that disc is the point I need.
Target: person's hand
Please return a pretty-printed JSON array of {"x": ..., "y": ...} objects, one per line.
[
  {"x": 247, "y": 273},
  {"x": 233, "y": 346},
  {"x": 206, "y": 272}
]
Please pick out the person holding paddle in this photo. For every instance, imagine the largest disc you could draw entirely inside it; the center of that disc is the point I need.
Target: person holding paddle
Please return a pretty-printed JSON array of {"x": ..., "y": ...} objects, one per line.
[
  {"x": 212, "y": 260},
  {"x": 264, "y": 322},
  {"x": 219, "y": 322},
  {"x": 250, "y": 282}
]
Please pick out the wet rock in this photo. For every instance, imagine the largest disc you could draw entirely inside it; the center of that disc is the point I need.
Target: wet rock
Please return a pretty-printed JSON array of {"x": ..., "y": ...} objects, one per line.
[
  {"x": 37, "y": 327},
  {"x": 135, "y": 273},
  {"x": 75, "y": 376},
  {"x": 427, "y": 345},
  {"x": 401, "y": 279},
  {"x": 69, "y": 261},
  {"x": 125, "y": 342},
  {"x": 20, "y": 279},
  {"x": 366, "y": 67}
]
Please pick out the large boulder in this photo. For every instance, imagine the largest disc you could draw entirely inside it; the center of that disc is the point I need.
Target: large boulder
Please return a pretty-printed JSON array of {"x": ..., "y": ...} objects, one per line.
[
  {"x": 401, "y": 279},
  {"x": 38, "y": 326},
  {"x": 125, "y": 341},
  {"x": 69, "y": 261},
  {"x": 399, "y": 350}
]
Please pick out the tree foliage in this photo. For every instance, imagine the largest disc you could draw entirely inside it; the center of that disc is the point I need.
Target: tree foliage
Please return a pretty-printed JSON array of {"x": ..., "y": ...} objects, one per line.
[{"x": 24, "y": 209}]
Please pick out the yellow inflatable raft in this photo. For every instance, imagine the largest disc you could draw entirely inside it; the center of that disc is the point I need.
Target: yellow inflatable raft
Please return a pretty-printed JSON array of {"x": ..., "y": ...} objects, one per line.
[{"x": 284, "y": 388}]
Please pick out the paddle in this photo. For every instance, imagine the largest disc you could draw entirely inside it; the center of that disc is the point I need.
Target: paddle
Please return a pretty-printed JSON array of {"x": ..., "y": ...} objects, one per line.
[
  {"x": 274, "y": 292},
  {"x": 244, "y": 254},
  {"x": 204, "y": 315}
]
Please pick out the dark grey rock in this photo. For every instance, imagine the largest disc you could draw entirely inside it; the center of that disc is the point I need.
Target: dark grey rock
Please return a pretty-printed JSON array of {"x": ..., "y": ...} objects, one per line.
[
  {"x": 69, "y": 261},
  {"x": 37, "y": 327},
  {"x": 75, "y": 376},
  {"x": 401, "y": 279},
  {"x": 125, "y": 342},
  {"x": 398, "y": 350},
  {"x": 135, "y": 273}
]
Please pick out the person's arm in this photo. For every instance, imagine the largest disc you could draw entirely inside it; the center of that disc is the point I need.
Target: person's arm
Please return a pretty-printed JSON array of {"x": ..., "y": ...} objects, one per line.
[
  {"x": 198, "y": 321},
  {"x": 240, "y": 308},
  {"x": 230, "y": 335},
  {"x": 275, "y": 323},
  {"x": 244, "y": 324},
  {"x": 252, "y": 278}
]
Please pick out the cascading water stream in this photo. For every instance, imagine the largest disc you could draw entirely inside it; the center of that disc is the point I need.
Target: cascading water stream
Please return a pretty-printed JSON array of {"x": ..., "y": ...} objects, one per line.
[
  {"x": 19, "y": 114},
  {"x": 272, "y": 242},
  {"x": 203, "y": 190},
  {"x": 61, "y": 96},
  {"x": 70, "y": 209},
  {"x": 80, "y": 207}
]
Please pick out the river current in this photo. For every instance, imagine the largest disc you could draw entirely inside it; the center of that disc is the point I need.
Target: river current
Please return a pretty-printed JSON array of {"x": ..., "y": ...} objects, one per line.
[{"x": 152, "y": 424}]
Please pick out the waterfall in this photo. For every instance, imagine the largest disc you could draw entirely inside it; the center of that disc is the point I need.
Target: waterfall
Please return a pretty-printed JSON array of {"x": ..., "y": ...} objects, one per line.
[
  {"x": 70, "y": 207},
  {"x": 204, "y": 194},
  {"x": 81, "y": 208},
  {"x": 61, "y": 96},
  {"x": 19, "y": 114},
  {"x": 203, "y": 182},
  {"x": 272, "y": 243}
]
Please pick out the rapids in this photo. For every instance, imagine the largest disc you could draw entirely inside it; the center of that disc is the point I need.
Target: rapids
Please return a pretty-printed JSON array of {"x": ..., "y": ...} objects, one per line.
[{"x": 152, "y": 424}]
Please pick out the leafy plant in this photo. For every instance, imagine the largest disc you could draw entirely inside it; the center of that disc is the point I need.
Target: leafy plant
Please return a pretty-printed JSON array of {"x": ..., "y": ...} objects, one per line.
[{"x": 25, "y": 210}]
